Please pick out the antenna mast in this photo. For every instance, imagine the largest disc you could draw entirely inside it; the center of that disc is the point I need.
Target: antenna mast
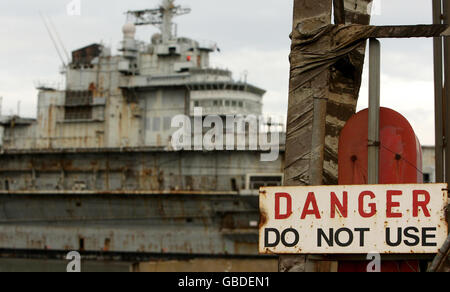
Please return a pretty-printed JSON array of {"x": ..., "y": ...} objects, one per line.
[
  {"x": 58, "y": 38},
  {"x": 161, "y": 17},
  {"x": 53, "y": 40}
]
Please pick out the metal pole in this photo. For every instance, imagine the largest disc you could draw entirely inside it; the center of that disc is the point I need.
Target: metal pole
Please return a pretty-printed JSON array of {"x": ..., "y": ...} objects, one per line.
[
  {"x": 446, "y": 10},
  {"x": 374, "y": 110},
  {"x": 438, "y": 92}
]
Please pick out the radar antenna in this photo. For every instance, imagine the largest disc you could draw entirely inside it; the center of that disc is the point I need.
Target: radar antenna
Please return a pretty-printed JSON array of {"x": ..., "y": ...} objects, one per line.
[{"x": 160, "y": 17}]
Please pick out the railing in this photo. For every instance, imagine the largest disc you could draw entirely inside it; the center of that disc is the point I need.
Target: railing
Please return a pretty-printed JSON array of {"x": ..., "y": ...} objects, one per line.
[{"x": 53, "y": 85}]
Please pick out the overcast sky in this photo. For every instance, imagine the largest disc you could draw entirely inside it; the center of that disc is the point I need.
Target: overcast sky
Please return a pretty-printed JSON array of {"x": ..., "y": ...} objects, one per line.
[{"x": 253, "y": 36}]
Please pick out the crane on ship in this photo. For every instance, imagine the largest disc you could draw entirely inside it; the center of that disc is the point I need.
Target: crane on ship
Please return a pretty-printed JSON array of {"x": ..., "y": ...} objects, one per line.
[{"x": 161, "y": 17}]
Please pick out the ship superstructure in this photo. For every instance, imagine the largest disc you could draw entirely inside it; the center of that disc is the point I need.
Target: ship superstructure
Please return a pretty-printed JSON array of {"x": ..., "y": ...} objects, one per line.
[{"x": 125, "y": 104}]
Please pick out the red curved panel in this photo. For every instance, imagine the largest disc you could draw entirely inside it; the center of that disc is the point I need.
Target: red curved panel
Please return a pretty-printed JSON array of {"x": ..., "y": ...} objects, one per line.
[{"x": 400, "y": 150}]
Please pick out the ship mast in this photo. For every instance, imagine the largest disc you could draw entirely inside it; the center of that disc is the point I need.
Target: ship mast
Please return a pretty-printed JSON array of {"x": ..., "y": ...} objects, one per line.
[{"x": 161, "y": 17}]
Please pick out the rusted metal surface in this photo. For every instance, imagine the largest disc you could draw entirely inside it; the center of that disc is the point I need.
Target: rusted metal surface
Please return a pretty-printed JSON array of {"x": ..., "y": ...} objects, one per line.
[
  {"x": 96, "y": 171},
  {"x": 446, "y": 59},
  {"x": 438, "y": 95},
  {"x": 408, "y": 31},
  {"x": 84, "y": 56},
  {"x": 162, "y": 225},
  {"x": 58, "y": 265},
  {"x": 134, "y": 171}
]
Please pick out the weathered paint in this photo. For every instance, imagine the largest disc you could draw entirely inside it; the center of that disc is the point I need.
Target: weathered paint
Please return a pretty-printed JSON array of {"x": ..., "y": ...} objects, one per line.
[
  {"x": 162, "y": 225},
  {"x": 400, "y": 152},
  {"x": 131, "y": 170}
]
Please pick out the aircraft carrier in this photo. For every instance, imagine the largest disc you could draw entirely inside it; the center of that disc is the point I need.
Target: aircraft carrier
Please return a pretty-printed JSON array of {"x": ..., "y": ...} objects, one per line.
[{"x": 96, "y": 171}]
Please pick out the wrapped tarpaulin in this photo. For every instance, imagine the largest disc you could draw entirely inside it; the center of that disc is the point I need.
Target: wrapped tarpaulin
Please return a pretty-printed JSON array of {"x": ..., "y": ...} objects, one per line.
[
  {"x": 316, "y": 52},
  {"x": 325, "y": 64}
]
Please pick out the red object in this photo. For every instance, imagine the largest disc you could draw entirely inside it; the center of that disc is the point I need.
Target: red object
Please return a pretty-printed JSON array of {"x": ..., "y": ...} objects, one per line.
[
  {"x": 400, "y": 163},
  {"x": 400, "y": 150},
  {"x": 311, "y": 202},
  {"x": 188, "y": 58},
  {"x": 278, "y": 215}
]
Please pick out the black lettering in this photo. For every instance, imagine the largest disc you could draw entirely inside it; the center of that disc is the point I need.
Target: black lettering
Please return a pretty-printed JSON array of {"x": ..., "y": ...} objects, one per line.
[
  {"x": 388, "y": 237},
  {"x": 283, "y": 237},
  {"x": 350, "y": 237},
  {"x": 321, "y": 234},
  {"x": 267, "y": 244},
  {"x": 426, "y": 236},
  {"x": 416, "y": 239},
  {"x": 361, "y": 235}
]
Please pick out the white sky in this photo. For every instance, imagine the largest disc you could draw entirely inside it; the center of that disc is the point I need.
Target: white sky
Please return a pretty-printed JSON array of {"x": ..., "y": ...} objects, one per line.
[{"x": 252, "y": 34}]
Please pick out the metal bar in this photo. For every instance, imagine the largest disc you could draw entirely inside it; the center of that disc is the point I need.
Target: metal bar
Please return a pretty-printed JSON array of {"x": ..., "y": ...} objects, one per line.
[
  {"x": 408, "y": 31},
  {"x": 441, "y": 257},
  {"x": 339, "y": 11},
  {"x": 446, "y": 9},
  {"x": 374, "y": 110},
  {"x": 438, "y": 92}
]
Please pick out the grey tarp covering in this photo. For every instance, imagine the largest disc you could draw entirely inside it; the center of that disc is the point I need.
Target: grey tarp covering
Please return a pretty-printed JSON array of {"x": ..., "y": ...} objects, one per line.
[
  {"x": 310, "y": 56},
  {"x": 325, "y": 64}
]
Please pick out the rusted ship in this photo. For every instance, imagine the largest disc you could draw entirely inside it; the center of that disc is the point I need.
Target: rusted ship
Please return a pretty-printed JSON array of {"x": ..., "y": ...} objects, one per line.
[{"x": 96, "y": 171}]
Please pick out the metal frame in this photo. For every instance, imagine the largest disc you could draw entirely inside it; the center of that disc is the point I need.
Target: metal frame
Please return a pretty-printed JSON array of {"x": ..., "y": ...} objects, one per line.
[
  {"x": 438, "y": 81},
  {"x": 441, "y": 15},
  {"x": 446, "y": 19},
  {"x": 374, "y": 111}
]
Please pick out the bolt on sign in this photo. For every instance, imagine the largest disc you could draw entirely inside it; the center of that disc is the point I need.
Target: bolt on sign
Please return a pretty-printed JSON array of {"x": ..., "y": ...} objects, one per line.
[{"x": 386, "y": 219}]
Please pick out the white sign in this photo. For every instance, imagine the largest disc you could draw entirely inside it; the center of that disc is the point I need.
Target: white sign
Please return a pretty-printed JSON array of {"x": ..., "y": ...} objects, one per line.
[{"x": 394, "y": 219}]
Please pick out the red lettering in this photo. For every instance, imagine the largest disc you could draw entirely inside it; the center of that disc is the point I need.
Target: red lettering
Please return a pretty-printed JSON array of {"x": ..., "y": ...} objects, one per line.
[
  {"x": 421, "y": 204},
  {"x": 311, "y": 200},
  {"x": 336, "y": 204},
  {"x": 373, "y": 206},
  {"x": 390, "y": 204},
  {"x": 288, "y": 213}
]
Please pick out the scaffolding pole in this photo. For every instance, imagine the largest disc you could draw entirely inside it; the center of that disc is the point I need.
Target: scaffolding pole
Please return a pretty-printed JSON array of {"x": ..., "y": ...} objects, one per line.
[
  {"x": 438, "y": 90},
  {"x": 446, "y": 10}
]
